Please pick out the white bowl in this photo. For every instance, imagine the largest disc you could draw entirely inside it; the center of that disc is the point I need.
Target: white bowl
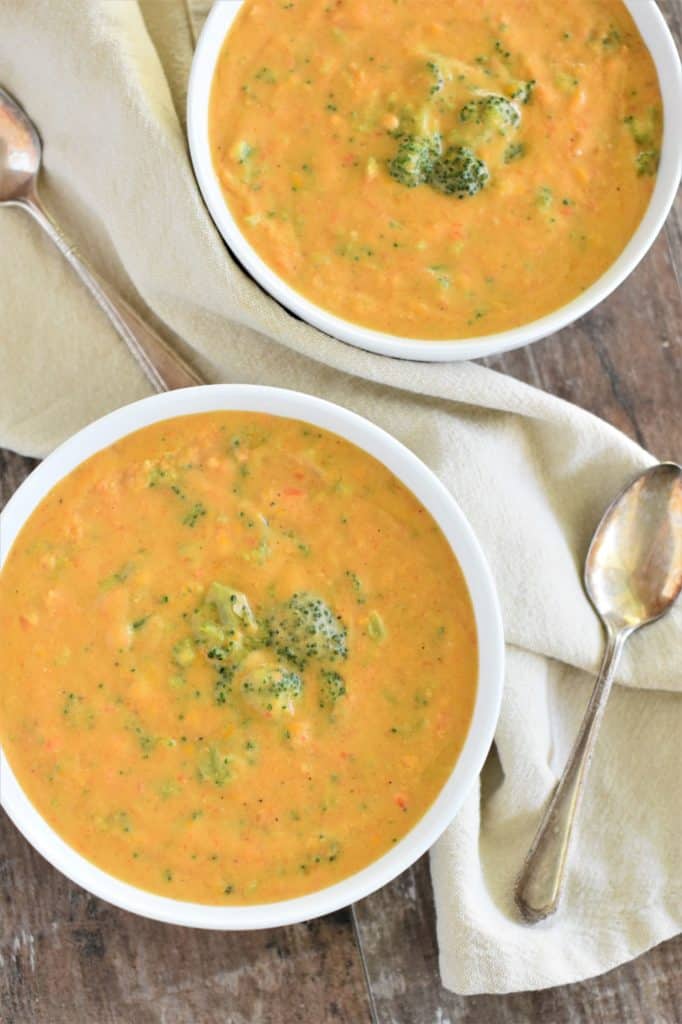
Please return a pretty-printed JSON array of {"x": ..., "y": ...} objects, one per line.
[
  {"x": 442, "y": 506},
  {"x": 657, "y": 37}
]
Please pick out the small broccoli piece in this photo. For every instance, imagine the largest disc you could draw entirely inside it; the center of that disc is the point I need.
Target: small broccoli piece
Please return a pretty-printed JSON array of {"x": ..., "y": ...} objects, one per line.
[
  {"x": 459, "y": 172},
  {"x": 376, "y": 627},
  {"x": 514, "y": 152},
  {"x": 307, "y": 628},
  {"x": 197, "y": 512},
  {"x": 544, "y": 197},
  {"x": 77, "y": 711},
  {"x": 646, "y": 162},
  {"x": 644, "y": 130},
  {"x": 223, "y": 683},
  {"x": 612, "y": 40},
  {"x": 241, "y": 151},
  {"x": 223, "y": 642},
  {"x": 272, "y": 689},
  {"x": 232, "y": 607},
  {"x": 492, "y": 112},
  {"x": 225, "y": 628},
  {"x": 225, "y": 621},
  {"x": 321, "y": 849},
  {"x": 524, "y": 91},
  {"x": 411, "y": 166},
  {"x": 214, "y": 766},
  {"x": 184, "y": 653},
  {"x": 438, "y": 77},
  {"x": 332, "y": 687}
]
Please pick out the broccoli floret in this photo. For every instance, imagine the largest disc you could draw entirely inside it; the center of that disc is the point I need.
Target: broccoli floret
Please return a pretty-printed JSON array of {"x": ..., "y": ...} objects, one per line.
[
  {"x": 225, "y": 622},
  {"x": 272, "y": 689},
  {"x": 307, "y": 628},
  {"x": 646, "y": 162},
  {"x": 492, "y": 111},
  {"x": 459, "y": 173},
  {"x": 332, "y": 687},
  {"x": 411, "y": 166}
]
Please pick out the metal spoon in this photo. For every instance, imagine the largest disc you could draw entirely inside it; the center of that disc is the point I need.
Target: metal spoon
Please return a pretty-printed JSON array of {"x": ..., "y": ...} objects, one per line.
[
  {"x": 633, "y": 574},
  {"x": 20, "y": 160}
]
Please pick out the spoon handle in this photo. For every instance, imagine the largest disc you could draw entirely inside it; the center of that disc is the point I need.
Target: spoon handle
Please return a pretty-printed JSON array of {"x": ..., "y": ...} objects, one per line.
[
  {"x": 164, "y": 369},
  {"x": 539, "y": 885}
]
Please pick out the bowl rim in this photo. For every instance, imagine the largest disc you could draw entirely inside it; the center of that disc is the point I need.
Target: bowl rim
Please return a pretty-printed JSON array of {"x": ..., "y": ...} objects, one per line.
[
  {"x": 459, "y": 534},
  {"x": 657, "y": 37}
]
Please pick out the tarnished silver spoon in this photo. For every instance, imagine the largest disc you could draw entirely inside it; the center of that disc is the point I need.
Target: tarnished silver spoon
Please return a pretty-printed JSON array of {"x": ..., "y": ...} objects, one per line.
[
  {"x": 633, "y": 574},
  {"x": 20, "y": 160}
]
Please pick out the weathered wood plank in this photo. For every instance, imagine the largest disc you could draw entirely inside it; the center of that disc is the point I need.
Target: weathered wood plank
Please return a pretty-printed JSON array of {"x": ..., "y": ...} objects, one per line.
[
  {"x": 67, "y": 957},
  {"x": 623, "y": 362},
  {"x": 399, "y": 943},
  {"x": 13, "y": 470}
]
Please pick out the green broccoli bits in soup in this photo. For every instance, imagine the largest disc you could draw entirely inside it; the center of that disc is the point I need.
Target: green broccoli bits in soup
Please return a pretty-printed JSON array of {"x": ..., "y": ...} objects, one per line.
[
  {"x": 306, "y": 628},
  {"x": 492, "y": 113},
  {"x": 271, "y": 689},
  {"x": 396, "y": 149},
  {"x": 259, "y": 660},
  {"x": 413, "y": 163},
  {"x": 261, "y": 705},
  {"x": 459, "y": 172}
]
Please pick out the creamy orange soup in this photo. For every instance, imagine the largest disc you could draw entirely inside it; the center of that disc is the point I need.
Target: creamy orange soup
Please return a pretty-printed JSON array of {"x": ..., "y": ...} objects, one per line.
[
  {"x": 436, "y": 168},
  {"x": 238, "y": 658}
]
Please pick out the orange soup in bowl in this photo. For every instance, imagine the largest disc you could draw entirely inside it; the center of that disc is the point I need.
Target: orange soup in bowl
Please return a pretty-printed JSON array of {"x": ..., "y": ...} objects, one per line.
[
  {"x": 436, "y": 169},
  {"x": 239, "y": 658}
]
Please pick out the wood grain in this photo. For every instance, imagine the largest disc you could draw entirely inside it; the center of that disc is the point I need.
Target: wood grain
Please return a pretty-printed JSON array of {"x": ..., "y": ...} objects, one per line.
[
  {"x": 397, "y": 931},
  {"x": 622, "y": 361},
  {"x": 67, "y": 958}
]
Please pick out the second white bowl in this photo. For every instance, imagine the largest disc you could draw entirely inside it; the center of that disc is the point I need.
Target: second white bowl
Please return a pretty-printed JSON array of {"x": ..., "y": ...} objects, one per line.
[
  {"x": 658, "y": 39},
  {"x": 442, "y": 506}
]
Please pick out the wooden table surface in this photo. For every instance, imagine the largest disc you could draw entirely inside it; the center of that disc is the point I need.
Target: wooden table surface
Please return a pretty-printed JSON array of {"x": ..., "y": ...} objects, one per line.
[{"x": 68, "y": 958}]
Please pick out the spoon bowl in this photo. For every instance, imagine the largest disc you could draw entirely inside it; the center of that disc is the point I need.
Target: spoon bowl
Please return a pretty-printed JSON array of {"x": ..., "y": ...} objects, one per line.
[
  {"x": 20, "y": 151},
  {"x": 633, "y": 570}
]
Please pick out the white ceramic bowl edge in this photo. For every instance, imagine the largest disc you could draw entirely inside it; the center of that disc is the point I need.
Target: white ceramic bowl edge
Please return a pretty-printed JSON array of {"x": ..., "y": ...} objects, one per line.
[{"x": 445, "y": 511}]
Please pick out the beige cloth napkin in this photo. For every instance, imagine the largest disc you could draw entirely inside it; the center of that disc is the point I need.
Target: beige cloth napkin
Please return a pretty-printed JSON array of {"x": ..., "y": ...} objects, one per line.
[{"x": 106, "y": 80}]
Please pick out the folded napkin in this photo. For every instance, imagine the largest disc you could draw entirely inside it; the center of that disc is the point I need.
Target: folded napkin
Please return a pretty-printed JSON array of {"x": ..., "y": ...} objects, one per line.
[{"x": 105, "y": 82}]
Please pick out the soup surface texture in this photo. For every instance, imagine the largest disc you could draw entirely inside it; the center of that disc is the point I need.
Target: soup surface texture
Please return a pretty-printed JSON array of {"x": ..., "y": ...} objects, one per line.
[
  {"x": 238, "y": 658},
  {"x": 436, "y": 168}
]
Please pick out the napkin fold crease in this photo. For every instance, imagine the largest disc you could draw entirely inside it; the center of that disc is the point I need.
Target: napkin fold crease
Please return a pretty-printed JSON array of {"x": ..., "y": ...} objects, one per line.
[{"x": 105, "y": 80}]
